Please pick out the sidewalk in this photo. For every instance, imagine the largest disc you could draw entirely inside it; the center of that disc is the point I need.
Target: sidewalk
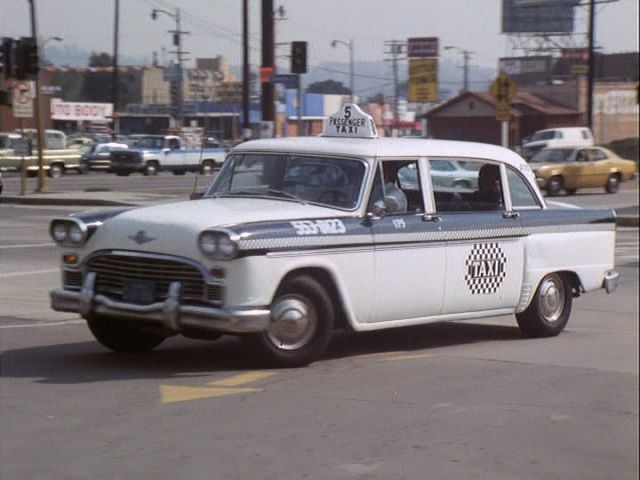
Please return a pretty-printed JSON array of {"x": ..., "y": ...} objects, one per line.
[{"x": 626, "y": 216}]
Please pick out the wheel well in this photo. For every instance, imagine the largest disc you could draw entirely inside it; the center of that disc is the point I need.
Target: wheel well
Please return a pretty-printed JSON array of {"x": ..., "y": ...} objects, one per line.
[
  {"x": 574, "y": 281},
  {"x": 326, "y": 280}
]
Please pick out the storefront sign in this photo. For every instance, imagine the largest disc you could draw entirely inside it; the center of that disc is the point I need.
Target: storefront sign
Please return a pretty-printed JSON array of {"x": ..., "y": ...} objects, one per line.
[{"x": 80, "y": 111}]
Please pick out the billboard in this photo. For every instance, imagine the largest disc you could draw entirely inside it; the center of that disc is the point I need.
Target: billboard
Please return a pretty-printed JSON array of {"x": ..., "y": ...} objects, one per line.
[
  {"x": 423, "y": 80},
  {"x": 538, "y": 16},
  {"x": 422, "y": 47},
  {"x": 515, "y": 66}
]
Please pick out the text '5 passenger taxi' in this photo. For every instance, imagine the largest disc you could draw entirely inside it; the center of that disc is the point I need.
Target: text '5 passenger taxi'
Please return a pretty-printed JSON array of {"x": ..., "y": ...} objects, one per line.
[{"x": 297, "y": 237}]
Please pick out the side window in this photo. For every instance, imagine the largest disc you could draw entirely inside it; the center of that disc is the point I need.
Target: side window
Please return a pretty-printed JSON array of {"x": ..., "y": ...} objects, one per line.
[
  {"x": 597, "y": 155},
  {"x": 396, "y": 189},
  {"x": 473, "y": 185},
  {"x": 521, "y": 194}
]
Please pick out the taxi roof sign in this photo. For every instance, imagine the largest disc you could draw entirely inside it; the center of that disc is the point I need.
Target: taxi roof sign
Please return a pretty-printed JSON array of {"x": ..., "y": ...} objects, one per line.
[{"x": 351, "y": 122}]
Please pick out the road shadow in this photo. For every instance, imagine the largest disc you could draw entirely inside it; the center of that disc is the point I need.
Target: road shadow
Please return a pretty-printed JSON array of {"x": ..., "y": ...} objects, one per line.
[{"x": 87, "y": 362}]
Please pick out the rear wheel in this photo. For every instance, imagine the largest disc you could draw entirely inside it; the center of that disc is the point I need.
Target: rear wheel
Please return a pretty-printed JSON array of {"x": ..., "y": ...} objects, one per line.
[
  {"x": 119, "y": 336},
  {"x": 151, "y": 168},
  {"x": 302, "y": 319},
  {"x": 549, "y": 311},
  {"x": 56, "y": 170},
  {"x": 554, "y": 185},
  {"x": 207, "y": 167},
  {"x": 613, "y": 183}
]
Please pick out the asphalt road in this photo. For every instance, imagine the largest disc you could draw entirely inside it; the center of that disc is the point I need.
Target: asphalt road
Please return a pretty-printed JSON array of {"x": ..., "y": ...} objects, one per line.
[{"x": 467, "y": 400}]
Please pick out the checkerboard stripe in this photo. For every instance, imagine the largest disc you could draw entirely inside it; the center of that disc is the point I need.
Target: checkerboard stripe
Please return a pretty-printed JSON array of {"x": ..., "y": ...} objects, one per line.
[{"x": 486, "y": 268}]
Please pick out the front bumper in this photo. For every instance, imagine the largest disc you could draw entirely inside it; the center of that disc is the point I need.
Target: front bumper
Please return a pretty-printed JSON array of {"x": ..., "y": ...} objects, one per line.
[
  {"x": 610, "y": 282},
  {"x": 168, "y": 314}
]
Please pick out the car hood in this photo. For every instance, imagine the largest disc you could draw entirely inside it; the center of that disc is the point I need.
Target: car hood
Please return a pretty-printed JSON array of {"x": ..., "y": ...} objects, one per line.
[{"x": 174, "y": 228}]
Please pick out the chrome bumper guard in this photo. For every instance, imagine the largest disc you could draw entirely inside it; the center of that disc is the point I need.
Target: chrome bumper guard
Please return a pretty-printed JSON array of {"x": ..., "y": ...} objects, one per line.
[
  {"x": 168, "y": 314},
  {"x": 610, "y": 282}
]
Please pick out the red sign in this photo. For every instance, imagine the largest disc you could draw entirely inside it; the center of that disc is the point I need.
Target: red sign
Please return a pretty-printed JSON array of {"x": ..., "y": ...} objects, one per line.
[
  {"x": 265, "y": 74},
  {"x": 422, "y": 47}
]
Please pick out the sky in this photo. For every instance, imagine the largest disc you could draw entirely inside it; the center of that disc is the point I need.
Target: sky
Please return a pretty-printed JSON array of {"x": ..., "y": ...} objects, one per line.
[{"x": 215, "y": 26}]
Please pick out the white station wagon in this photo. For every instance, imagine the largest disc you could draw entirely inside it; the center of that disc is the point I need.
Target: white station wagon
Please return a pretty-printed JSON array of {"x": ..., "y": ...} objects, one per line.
[{"x": 297, "y": 237}]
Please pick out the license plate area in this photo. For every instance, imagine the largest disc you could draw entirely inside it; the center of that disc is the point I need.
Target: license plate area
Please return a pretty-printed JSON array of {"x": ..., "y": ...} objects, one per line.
[{"x": 141, "y": 292}]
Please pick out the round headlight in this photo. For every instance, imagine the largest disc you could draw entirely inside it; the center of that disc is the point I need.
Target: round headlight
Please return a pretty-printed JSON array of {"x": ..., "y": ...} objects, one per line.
[
  {"x": 76, "y": 235},
  {"x": 208, "y": 243},
  {"x": 59, "y": 232},
  {"x": 226, "y": 247}
]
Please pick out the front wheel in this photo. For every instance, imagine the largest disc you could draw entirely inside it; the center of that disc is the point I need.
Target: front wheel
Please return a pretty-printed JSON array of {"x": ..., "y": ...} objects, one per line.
[
  {"x": 56, "y": 170},
  {"x": 554, "y": 186},
  {"x": 150, "y": 169},
  {"x": 119, "y": 336},
  {"x": 207, "y": 167},
  {"x": 302, "y": 318},
  {"x": 549, "y": 311}
]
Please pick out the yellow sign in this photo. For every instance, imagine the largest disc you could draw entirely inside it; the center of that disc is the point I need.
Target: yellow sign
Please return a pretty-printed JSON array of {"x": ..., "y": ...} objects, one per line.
[
  {"x": 503, "y": 89},
  {"x": 423, "y": 80}
]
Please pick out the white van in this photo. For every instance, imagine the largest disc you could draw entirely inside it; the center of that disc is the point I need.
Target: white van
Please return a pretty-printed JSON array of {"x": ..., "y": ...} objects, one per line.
[
  {"x": 53, "y": 139},
  {"x": 557, "y": 137}
]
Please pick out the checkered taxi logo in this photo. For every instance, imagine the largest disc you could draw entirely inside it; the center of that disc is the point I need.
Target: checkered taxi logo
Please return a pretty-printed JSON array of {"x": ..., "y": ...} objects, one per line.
[{"x": 485, "y": 268}]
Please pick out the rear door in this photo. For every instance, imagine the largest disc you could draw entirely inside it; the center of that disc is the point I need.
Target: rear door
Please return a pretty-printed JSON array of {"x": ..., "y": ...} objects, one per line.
[{"x": 485, "y": 245}]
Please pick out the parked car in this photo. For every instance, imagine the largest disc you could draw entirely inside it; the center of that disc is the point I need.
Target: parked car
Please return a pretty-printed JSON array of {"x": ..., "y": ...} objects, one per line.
[
  {"x": 150, "y": 154},
  {"x": 571, "y": 168},
  {"x": 298, "y": 236},
  {"x": 98, "y": 156},
  {"x": 557, "y": 137}
]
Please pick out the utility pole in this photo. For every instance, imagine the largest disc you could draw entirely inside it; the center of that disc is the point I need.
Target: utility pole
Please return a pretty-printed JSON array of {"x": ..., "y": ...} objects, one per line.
[
  {"x": 42, "y": 178},
  {"x": 179, "y": 53},
  {"x": 591, "y": 75},
  {"x": 349, "y": 45},
  {"x": 114, "y": 75},
  {"x": 466, "y": 56},
  {"x": 395, "y": 48},
  {"x": 268, "y": 94},
  {"x": 246, "y": 129}
]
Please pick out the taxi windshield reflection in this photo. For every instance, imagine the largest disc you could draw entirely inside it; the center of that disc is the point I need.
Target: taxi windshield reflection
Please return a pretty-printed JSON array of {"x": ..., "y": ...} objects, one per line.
[{"x": 336, "y": 182}]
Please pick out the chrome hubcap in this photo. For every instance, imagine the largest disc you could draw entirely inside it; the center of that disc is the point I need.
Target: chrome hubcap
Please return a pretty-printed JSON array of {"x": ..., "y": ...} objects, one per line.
[
  {"x": 552, "y": 297},
  {"x": 293, "y": 323}
]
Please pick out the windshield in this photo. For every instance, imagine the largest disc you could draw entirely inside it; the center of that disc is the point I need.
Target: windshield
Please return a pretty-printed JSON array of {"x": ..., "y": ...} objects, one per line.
[
  {"x": 335, "y": 182},
  {"x": 552, "y": 155},
  {"x": 155, "y": 143},
  {"x": 544, "y": 135}
]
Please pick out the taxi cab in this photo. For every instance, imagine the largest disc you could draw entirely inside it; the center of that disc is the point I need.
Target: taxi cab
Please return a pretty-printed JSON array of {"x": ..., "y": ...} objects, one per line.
[{"x": 297, "y": 237}]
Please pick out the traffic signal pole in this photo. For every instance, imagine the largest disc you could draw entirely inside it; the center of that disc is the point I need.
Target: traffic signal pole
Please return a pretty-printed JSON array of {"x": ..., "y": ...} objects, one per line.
[{"x": 42, "y": 178}]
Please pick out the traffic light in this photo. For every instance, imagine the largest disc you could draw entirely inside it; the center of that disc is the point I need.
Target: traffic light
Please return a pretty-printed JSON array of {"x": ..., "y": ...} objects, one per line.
[
  {"x": 7, "y": 57},
  {"x": 298, "y": 57},
  {"x": 27, "y": 62}
]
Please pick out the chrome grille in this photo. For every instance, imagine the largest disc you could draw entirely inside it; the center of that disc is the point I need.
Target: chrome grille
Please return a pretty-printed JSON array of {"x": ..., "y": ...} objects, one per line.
[
  {"x": 215, "y": 293},
  {"x": 112, "y": 270}
]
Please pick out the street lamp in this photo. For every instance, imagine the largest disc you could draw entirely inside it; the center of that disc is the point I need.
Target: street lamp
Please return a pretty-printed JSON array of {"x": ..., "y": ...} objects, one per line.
[
  {"x": 348, "y": 44},
  {"x": 466, "y": 55},
  {"x": 177, "y": 42}
]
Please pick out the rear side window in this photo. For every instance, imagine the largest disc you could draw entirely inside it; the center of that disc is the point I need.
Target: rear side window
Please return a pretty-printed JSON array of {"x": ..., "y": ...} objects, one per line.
[{"x": 521, "y": 195}]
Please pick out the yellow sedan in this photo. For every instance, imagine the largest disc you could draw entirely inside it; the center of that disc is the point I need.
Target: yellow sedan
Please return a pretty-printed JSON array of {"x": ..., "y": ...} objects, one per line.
[{"x": 571, "y": 168}]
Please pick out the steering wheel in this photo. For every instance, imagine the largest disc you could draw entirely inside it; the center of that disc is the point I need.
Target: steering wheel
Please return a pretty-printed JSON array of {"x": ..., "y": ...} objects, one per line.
[{"x": 334, "y": 196}]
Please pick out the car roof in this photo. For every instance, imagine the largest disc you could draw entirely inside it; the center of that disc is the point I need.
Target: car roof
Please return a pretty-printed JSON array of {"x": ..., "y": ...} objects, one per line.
[{"x": 383, "y": 147}]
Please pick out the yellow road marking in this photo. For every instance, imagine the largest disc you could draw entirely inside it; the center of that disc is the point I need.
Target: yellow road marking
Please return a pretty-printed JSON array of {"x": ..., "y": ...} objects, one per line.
[
  {"x": 176, "y": 393},
  {"x": 220, "y": 388},
  {"x": 241, "y": 379},
  {"x": 408, "y": 357}
]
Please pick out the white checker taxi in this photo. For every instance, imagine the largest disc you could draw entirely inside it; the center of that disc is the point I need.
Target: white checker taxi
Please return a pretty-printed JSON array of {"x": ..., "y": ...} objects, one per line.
[{"x": 298, "y": 237}]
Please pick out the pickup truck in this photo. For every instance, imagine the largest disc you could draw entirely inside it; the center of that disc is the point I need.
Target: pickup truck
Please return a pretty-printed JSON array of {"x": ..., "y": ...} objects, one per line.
[
  {"x": 150, "y": 154},
  {"x": 14, "y": 150}
]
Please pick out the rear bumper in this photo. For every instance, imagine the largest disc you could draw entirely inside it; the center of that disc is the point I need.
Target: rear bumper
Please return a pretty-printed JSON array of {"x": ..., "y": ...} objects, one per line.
[
  {"x": 610, "y": 282},
  {"x": 170, "y": 314}
]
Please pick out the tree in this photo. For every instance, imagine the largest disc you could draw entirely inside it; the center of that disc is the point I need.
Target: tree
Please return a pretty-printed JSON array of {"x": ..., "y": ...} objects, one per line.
[
  {"x": 102, "y": 59},
  {"x": 328, "y": 87}
]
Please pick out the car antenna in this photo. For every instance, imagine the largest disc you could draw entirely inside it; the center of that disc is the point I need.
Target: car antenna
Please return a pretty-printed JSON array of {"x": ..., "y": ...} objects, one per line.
[{"x": 195, "y": 180}]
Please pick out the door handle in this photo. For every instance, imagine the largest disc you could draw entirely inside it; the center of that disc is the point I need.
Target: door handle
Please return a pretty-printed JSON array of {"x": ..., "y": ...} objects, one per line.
[
  {"x": 510, "y": 214},
  {"x": 430, "y": 217}
]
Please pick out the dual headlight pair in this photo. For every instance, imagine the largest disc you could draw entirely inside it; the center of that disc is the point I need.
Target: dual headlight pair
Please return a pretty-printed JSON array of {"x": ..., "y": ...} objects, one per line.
[
  {"x": 218, "y": 244},
  {"x": 68, "y": 232}
]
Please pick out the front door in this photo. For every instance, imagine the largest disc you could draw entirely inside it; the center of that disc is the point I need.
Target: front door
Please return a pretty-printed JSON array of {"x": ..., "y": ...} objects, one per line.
[{"x": 410, "y": 261}]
